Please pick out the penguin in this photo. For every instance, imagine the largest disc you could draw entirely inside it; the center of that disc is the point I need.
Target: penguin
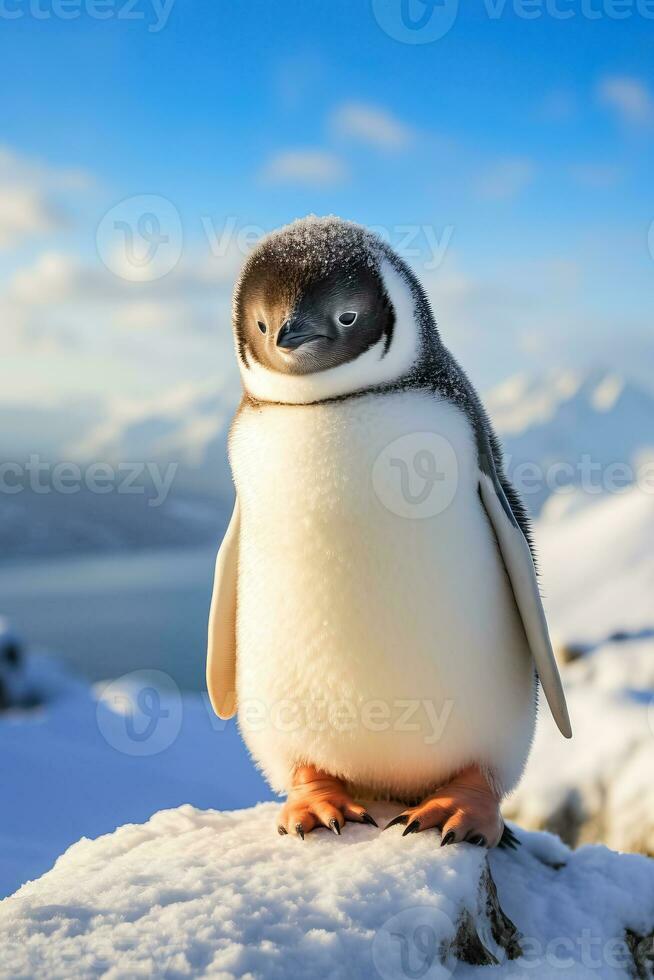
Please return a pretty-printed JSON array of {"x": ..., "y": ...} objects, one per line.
[{"x": 376, "y": 621}]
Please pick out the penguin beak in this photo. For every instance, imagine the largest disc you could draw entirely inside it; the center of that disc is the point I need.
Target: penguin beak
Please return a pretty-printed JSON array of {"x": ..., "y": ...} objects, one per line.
[{"x": 295, "y": 333}]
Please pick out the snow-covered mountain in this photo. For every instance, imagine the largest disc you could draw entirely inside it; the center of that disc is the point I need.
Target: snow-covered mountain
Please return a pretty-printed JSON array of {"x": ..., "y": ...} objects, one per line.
[
  {"x": 566, "y": 429},
  {"x": 560, "y": 430},
  {"x": 47, "y": 428},
  {"x": 597, "y": 563},
  {"x": 186, "y": 426},
  {"x": 169, "y": 480},
  {"x": 558, "y": 418}
]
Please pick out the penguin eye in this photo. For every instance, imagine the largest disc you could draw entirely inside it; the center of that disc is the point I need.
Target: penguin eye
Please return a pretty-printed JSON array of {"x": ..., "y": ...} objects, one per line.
[
  {"x": 262, "y": 326},
  {"x": 347, "y": 318}
]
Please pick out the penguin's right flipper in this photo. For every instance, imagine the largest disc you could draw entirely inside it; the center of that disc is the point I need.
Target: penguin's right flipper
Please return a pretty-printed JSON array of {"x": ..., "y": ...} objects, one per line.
[
  {"x": 221, "y": 647},
  {"x": 519, "y": 565}
]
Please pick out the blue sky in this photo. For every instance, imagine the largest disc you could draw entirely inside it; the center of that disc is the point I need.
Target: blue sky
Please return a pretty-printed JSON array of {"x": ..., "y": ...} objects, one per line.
[{"x": 512, "y": 156}]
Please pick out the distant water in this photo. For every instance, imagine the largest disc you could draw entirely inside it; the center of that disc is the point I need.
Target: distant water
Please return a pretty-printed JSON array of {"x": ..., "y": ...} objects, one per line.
[{"x": 110, "y": 614}]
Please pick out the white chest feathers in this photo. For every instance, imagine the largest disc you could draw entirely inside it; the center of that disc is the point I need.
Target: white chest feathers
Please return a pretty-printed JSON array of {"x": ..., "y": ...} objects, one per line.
[{"x": 377, "y": 633}]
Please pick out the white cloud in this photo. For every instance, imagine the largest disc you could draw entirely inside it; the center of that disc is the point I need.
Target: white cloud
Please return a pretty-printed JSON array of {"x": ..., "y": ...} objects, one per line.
[
  {"x": 51, "y": 279},
  {"x": 61, "y": 300},
  {"x": 146, "y": 315},
  {"x": 506, "y": 179},
  {"x": 630, "y": 98},
  {"x": 24, "y": 213},
  {"x": 28, "y": 197},
  {"x": 464, "y": 301},
  {"x": 305, "y": 167},
  {"x": 15, "y": 168},
  {"x": 596, "y": 176},
  {"x": 61, "y": 277},
  {"x": 371, "y": 124},
  {"x": 559, "y": 105}
]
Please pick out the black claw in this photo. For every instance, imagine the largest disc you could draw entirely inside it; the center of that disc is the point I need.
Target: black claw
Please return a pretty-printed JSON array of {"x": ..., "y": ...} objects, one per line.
[
  {"x": 366, "y": 818},
  {"x": 281, "y": 830},
  {"x": 299, "y": 830},
  {"x": 477, "y": 839},
  {"x": 449, "y": 837},
  {"x": 411, "y": 829},
  {"x": 509, "y": 839},
  {"x": 333, "y": 823},
  {"x": 403, "y": 818}
]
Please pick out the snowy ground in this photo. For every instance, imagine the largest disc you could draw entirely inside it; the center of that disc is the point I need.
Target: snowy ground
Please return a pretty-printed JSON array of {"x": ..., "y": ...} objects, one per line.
[
  {"x": 80, "y": 764},
  {"x": 206, "y": 894}
]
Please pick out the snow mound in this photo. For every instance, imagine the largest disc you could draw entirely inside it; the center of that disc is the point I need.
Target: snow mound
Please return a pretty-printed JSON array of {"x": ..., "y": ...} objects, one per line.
[
  {"x": 208, "y": 894},
  {"x": 599, "y": 786}
]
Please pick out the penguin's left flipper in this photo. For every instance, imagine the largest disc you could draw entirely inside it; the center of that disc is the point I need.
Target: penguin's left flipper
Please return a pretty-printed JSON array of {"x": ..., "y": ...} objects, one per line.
[
  {"x": 520, "y": 568},
  {"x": 221, "y": 645}
]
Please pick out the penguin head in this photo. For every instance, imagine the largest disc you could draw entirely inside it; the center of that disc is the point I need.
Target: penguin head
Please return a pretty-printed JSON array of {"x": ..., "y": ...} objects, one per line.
[
  {"x": 324, "y": 308},
  {"x": 319, "y": 323}
]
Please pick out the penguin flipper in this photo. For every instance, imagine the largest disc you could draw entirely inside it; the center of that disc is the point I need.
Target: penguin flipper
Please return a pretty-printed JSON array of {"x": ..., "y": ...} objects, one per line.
[
  {"x": 520, "y": 568},
  {"x": 221, "y": 646}
]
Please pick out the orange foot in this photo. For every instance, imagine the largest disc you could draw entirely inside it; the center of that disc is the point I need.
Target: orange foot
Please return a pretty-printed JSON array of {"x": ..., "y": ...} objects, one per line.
[
  {"x": 317, "y": 799},
  {"x": 465, "y": 809}
]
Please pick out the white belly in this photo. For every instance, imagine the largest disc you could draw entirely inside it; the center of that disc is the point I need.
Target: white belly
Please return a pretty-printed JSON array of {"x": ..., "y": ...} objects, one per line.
[{"x": 377, "y": 633}]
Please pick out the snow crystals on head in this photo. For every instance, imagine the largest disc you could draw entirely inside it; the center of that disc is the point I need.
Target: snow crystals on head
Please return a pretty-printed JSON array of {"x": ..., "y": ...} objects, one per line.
[{"x": 317, "y": 246}]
